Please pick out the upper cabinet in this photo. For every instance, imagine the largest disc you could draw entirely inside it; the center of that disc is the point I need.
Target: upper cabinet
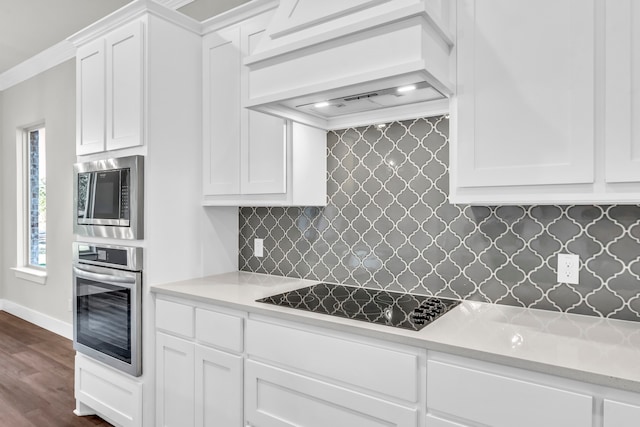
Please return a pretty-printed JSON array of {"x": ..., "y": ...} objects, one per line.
[
  {"x": 251, "y": 158},
  {"x": 109, "y": 91},
  {"x": 544, "y": 109},
  {"x": 622, "y": 118},
  {"x": 129, "y": 88}
]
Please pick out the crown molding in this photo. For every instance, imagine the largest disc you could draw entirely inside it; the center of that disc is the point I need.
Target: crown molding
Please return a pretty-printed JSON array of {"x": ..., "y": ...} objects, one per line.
[
  {"x": 130, "y": 12},
  {"x": 37, "y": 64}
]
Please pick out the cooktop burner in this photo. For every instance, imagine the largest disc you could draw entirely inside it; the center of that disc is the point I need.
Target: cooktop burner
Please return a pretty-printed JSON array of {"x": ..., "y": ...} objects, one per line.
[{"x": 406, "y": 311}]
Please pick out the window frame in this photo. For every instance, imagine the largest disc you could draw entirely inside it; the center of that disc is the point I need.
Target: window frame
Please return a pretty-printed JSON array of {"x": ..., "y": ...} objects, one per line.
[{"x": 24, "y": 269}]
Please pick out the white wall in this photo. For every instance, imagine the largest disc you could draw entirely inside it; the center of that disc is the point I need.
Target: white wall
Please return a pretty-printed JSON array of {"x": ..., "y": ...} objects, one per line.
[
  {"x": 2, "y": 181},
  {"x": 48, "y": 97}
]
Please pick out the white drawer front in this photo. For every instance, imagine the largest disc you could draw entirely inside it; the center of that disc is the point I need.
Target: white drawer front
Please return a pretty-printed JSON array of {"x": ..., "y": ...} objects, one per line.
[
  {"x": 175, "y": 318},
  {"x": 220, "y": 330},
  {"x": 278, "y": 398},
  {"x": 108, "y": 392},
  {"x": 384, "y": 370},
  {"x": 433, "y": 421},
  {"x": 618, "y": 414},
  {"x": 499, "y": 401}
]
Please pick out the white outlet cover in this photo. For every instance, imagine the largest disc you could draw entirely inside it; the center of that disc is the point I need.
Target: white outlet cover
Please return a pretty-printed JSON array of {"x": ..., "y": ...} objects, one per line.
[
  {"x": 258, "y": 248},
  {"x": 568, "y": 268}
]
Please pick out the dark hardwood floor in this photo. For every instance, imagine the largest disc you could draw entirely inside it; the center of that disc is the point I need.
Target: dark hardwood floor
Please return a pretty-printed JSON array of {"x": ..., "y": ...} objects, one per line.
[{"x": 36, "y": 377}]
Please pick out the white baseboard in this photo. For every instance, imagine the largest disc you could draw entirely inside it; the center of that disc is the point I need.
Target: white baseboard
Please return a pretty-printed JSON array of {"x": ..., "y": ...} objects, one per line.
[{"x": 44, "y": 321}]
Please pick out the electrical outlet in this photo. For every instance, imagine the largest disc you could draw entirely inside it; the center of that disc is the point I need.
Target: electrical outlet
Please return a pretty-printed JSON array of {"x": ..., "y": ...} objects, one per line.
[
  {"x": 568, "y": 268},
  {"x": 258, "y": 248}
]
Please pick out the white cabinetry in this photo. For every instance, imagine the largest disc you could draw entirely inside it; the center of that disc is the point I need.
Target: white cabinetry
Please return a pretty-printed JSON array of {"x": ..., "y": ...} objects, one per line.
[
  {"x": 155, "y": 58},
  {"x": 109, "y": 86},
  {"x": 306, "y": 377},
  {"x": 111, "y": 394},
  {"x": 250, "y": 157},
  {"x": 619, "y": 414},
  {"x": 489, "y": 395},
  {"x": 175, "y": 379},
  {"x": 218, "y": 366},
  {"x": 546, "y": 116},
  {"x": 622, "y": 118},
  {"x": 198, "y": 378},
  {"x": 281, "y": 398}
]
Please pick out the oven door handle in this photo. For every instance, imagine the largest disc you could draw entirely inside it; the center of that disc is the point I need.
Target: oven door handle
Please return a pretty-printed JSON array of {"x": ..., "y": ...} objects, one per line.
[{"x": 109, "y": 279}]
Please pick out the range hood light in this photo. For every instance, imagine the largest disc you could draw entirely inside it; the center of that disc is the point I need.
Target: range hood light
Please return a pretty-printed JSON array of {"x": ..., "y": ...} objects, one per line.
[
  {"x": 407, "y": 88},
  {"x": 321, "y": 104},
  {"x": 381, "y": 125}
]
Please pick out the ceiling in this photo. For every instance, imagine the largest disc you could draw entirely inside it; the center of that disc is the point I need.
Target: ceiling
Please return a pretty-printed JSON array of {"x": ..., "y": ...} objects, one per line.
[{"x": 28, "y": 27}]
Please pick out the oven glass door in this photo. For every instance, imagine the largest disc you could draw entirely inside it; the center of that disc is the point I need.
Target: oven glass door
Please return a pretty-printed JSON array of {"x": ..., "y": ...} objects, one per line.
[
  {"x": 107, "y": 316},
  {"x": 104, "y": 318}
]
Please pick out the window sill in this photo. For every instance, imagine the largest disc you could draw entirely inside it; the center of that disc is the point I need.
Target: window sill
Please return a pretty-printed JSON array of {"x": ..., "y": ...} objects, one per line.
[{"x": 31, "y": 274}]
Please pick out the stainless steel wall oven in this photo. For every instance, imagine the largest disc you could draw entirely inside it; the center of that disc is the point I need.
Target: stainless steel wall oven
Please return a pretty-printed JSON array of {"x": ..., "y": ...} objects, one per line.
[
  {"x": 107, "y": 309},
  {"x": 108, "y": 198}
]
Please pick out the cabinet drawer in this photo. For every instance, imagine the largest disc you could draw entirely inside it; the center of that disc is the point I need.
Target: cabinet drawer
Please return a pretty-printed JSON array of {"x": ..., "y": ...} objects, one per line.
[
  {"x": 384, "y": 370},
  {"x": 618, "y": 414},
  {"x": 110, "y": 393},
  {"x": 279, "y": 398},
  {"x": 439, "y": 422},
  {"x": 219, "y": 330},
  {"x": 500, "y": 401},
  {"x": 174, "y": 317}
]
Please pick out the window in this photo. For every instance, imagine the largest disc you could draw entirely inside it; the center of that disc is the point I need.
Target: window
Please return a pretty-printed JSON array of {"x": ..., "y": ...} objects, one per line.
[
  {"x": 32, "y": 204},
  {"x": 37, "y": 198}
]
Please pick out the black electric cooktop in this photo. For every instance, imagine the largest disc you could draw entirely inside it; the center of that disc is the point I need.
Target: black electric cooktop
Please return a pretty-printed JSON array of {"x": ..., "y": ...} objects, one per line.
[{"x": 396, "y": 309}]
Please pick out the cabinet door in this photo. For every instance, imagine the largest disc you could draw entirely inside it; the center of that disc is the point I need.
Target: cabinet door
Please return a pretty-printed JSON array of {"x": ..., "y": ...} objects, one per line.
[
  {"x": 525, "y": 93},
  {"x": 218, "y": 388},
  {"x": 221, "y": 112},
  {"x": 622, "y": 118},
  {"x": 90, "y": 91},
  {"x": 124, "y": 85},
  {"x": 174, "y": 382},
  {"x": 264, "y": 137},
  {"x": 279, "y": 398},
  {"x": 500, "y": 401},
  {"x": 618, "y": 414}
]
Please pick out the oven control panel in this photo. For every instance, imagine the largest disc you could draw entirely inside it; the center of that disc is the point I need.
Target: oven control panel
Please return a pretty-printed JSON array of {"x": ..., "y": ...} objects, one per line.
[{"x": 124, "y": 257}]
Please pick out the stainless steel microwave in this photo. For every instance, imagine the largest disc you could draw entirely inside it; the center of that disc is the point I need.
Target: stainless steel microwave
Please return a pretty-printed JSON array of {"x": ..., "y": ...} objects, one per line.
[{"x": 108, "y": 198}]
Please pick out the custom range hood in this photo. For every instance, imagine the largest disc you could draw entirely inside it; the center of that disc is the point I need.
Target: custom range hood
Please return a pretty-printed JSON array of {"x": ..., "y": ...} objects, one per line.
[{"x": 339, "y": 63}]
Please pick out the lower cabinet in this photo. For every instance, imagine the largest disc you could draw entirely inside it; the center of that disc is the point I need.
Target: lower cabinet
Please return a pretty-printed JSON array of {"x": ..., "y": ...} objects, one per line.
[
  {"x": 196, "y": 385},
  {"x": 281, "y": 398},
  {"x": 311, "y": 377},
  {"x": 199, "y": 366},
  {"x": 114, "y": 396},
  {"x": 175, "y": 375},
  {"x": 490, "y": 397},
  {"x": 433, "y": 421},
  {"x": 218, "y": 388},
  {"x": 619, "y": 414},
  {"x": 225, "y": 368}
]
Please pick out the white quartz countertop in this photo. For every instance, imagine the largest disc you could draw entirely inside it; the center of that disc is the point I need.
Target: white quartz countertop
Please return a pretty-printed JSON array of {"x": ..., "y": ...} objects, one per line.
[{"x": 591, "y": 349}]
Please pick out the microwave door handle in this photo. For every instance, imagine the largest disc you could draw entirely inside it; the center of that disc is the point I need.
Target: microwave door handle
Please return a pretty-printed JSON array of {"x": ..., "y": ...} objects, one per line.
[
  {"x": 87, "y": 197},
  {"x": 104, "y": 278},
  {"x": 91, "y": 194}
]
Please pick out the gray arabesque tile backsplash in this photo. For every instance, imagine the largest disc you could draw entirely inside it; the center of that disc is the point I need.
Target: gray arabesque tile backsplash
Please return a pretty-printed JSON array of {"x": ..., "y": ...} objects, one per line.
[{"x": 389, "y": 225}]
